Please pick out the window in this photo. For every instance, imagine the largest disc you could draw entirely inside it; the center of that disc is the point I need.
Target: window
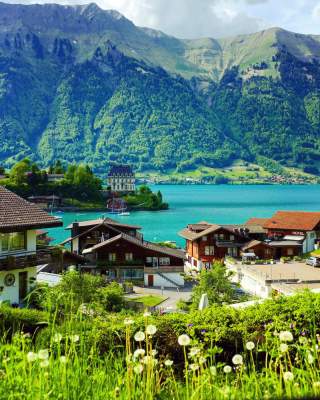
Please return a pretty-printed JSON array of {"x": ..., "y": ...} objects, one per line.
[
  {"x": 204, "y": 238},
  {"x": 149, "y": 260},
  {"x": 232, "y": 252},
  {"x": 209, "y": 250},
  {"x": 221, "y": 236},
  {"x": 129, "y": 256},
  {"x": 231, "y": 237},
  {"x": 207, "y": 265},
  {"x": 164, "y": 261},
  {"x": 290, "y": 252},
  {"x": 112, "y": 257},
  {"x": 13, "y": 241}
]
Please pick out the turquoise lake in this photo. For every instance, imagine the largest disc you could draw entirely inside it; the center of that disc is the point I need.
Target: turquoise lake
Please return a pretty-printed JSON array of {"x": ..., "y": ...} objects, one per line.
[{"x": 223, "y": 204}]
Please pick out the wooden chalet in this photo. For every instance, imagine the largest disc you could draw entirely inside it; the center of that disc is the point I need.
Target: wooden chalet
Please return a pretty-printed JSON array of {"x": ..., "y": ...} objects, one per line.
[
  {"x": 119, "y": 251},
  {"x": 19, "y": 254}
]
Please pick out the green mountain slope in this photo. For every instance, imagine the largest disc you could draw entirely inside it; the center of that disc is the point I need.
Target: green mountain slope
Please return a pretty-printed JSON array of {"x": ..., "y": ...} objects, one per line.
[{"x": 82, "y": 84}]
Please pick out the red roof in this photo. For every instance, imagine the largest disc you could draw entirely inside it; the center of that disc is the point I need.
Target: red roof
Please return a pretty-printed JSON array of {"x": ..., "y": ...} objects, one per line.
[
  {"x": 257, "y": 221},
  {"x": 297, "y": 220}
]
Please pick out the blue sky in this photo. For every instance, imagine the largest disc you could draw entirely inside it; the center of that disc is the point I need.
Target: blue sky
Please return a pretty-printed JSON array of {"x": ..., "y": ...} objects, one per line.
[{"x": 215, "y": 18}]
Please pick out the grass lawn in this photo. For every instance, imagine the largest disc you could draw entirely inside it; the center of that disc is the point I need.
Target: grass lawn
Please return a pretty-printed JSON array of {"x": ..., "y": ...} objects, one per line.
[{"x": 150, "y": 301}]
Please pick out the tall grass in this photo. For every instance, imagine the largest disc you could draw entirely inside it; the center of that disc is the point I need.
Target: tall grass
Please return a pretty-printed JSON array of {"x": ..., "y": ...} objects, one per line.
[{"x": 67, "y": 364}]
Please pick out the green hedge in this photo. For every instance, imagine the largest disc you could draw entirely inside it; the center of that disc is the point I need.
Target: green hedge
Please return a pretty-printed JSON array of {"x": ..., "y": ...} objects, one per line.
[
  {"x": 224, "y": 327},
  {"x": 16, "y": 320}
]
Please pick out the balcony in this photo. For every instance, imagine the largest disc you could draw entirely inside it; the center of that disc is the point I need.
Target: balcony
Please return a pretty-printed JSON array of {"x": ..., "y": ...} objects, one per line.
[
  {"x": 25, "y": 259},
  {"x": 164, "y": 269},
  {"x": 120, "y": 263}
]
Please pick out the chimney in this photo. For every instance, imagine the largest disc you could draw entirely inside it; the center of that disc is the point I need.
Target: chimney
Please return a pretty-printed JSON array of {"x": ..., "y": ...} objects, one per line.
[{"x": 75, "y": 229}]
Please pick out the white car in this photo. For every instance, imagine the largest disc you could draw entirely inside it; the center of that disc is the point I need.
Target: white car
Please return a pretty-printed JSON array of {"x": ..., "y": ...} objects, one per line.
[{"x": 313, "y": 261}]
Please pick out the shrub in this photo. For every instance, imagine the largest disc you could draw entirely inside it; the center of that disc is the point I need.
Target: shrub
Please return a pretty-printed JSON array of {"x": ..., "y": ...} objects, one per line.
[
  {"x": 15, "y": 320},
  {"x": 111, "y": 297}
]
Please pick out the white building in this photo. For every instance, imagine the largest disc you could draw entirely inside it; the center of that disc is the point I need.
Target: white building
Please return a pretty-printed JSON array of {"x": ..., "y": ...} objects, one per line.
[
  {"x": 19, "y": 221},
  {"x": 121, "y": 179}
]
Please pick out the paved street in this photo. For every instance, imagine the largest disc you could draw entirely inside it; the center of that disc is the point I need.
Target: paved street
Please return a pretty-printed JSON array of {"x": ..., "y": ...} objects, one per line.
[{"x": 173, "y": 295}]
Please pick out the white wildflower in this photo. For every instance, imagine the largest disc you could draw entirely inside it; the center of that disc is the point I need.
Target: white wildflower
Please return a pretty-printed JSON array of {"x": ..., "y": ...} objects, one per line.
[
  {"x": 138, "y": 353},
  {"x": 184, "y": 340},
  {"x": 43, "y": 354},
  {"x": 288, "y": 376},
  {"x": 237, "y": 359},
  {"x": 31, "y": 356},
  {"x": 194, "y": 351},
  {"x": 63, "y": 359},
  {"x": 227, "y": 369},
  {"x": 168, "y": 363},
  {"x": 151, "y": 330},
  {"x": 138, "y": 369},
  {"x": 250, "y": 346},
  {"x": 74, "y": 338},
  {"x": 57, "y": 337},
  {"x": 285, "y": 336},
  {"x": 128, "y": 321},
  {"x": 154, "y": 352},
  {"x": 194, "y": 367},
  {"x": 284, "y": 347},
  {"x": 44, "y": 364},
  {"x": 139, "y": 336},
  {"x": 202, "y": 360}
]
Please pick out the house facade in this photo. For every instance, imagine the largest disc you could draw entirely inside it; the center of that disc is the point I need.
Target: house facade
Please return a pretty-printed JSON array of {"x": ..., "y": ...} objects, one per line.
[
  {"x": 121, "y": 178},
  {"x": 206, "y": 243},
  {"x": 119, "y": 252},
  {"x": 285, "y": 234},
  {"x": 19, "y": 255}
]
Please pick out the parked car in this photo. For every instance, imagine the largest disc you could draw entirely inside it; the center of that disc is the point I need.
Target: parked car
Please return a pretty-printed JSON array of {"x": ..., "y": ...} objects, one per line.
[{"x": 313, "y": 261}]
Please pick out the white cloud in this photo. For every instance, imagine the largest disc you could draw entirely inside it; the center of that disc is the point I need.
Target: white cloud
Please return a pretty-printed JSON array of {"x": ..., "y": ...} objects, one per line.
[{"x": 214, "y": 18}]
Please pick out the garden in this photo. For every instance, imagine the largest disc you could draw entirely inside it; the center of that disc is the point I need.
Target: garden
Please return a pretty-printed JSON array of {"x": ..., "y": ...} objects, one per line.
[{"x": 78, "y": 341}]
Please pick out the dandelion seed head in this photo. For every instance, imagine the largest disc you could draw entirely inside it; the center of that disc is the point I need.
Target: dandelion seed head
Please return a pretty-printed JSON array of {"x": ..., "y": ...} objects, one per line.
[
  {"x": 227, "y": 369},
  {"x": 184, "y": 340},
  {"x": 138, "y": 353},
  {"x": 57, "y": 337},
  {"x": 288, "y": 376},
  {"x": 151, "y": 330},
  {"x": 250, "y": 346},
  {"x": 168, "y": 363},
  {"x": 147, "y": 314},
  {"x": 43, "y": 354},
  {"x": 237, "y": 359},
  {"x": 128, "y": 321},
  {"x": 286, "y": 336},
  {"x": 284, "y": 347},
  {"x": 31, "y": 356},
  {"x": 74, "y": 338},
  {"x": 139, "y": 336}
]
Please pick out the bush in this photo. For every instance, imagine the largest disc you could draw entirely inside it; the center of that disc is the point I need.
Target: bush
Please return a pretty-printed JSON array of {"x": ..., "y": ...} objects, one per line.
[
  {"x": 14, "y": 320},
  {"x": 111, "y": 297}
]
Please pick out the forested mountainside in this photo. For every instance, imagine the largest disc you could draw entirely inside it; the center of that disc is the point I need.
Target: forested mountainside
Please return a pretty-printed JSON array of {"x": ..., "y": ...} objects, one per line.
[{"x": 78, "y": 83}]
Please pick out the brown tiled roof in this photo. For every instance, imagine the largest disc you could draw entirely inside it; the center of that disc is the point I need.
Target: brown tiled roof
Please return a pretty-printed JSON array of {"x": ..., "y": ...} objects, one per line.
[
  {"x": 257, "y": 221},
  {"x": 18, "y": 214},
  {"x": 109, "y": 221},
  {"x": 144, "y": 244},
  {"x": 189, "y": 234},
  {"x": 252, "y": 244},
  {"x": 297, "y": 220}
]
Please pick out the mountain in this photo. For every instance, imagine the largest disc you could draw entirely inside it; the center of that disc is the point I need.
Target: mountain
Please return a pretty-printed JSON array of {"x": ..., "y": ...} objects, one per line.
[{"x": 80, "y": 83}]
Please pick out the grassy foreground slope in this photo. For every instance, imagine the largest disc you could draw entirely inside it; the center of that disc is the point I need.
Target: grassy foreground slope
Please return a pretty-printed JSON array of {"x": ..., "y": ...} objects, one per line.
[{"x": 266, "y": 351}]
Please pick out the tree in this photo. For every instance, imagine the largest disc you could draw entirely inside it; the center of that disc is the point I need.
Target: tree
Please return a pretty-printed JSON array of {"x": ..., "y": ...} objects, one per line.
[
  {"x": 216, "y": 284},
  {"x": 18, "y": 173}
]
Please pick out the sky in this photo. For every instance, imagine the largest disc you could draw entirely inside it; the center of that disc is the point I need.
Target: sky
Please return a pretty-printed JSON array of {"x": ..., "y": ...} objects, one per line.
[{"x": 212, "y": 18}]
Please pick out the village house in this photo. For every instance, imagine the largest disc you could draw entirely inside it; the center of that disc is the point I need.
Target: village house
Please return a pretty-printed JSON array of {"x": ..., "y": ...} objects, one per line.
[
  {"x": 206, "y": 242},
  {"x": 121, "y": 179},
  {"x": 119, "y": 252},
  {"x": 19, "y": 255},
  {"x": 285, "y": 234}
]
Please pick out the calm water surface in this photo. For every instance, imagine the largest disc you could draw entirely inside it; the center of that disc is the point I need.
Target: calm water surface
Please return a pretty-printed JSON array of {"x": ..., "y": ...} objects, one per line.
[{"x": 224, "y": 204}]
